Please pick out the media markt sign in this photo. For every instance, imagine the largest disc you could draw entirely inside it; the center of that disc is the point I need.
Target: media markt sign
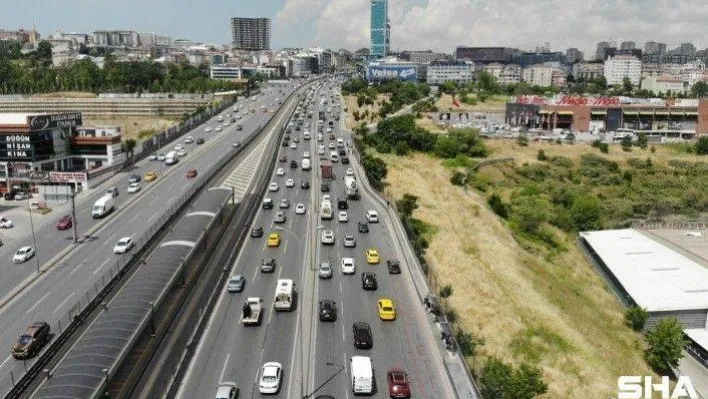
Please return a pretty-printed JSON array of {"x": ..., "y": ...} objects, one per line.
[{"x": 638, "y": 387}]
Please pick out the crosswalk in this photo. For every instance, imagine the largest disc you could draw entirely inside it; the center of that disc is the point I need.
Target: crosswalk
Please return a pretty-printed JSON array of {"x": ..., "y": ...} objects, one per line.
[{"x": 240, "y": 179}]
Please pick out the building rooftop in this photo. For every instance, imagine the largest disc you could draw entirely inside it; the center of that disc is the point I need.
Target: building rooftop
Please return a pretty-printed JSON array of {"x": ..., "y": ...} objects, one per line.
[
  {"x": 14, "y": 119},
  {"x": 698, "y": 335},
  {"x": 655, "y": 276}
]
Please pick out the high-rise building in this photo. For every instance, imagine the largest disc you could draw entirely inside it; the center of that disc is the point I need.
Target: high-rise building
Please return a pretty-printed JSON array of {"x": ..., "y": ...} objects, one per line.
[
  {"x": 600, "y": 51},
  {"x": 623, "y": 66},
  {"x": 687, "y": 49},
  {"x": 655, "y": 48},
  {"x": 573, "y": 55},
  {"x": 628, "y": 45},
  {"x": 250, "y": 34},
  {"x": 380, "y": 29}
]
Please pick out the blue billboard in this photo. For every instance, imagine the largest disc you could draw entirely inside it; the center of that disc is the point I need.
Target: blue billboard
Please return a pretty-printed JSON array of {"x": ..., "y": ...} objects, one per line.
[{"x": 383, "y": 72}]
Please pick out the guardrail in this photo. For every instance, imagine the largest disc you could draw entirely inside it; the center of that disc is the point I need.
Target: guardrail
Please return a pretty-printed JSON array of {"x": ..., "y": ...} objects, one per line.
[{"x": 25, "y": 372}]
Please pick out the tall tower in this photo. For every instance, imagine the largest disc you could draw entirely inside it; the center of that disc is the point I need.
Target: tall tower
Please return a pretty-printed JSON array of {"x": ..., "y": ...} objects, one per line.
[
  {"x": 380, "y": 29},
  {"x": 250, "y": 34}
]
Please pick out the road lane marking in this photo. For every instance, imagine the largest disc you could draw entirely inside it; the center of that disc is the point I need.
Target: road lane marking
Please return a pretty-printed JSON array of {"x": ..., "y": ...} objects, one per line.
[
  {"x": 223, "y": 369},
  {"x": 6, "y": 360},
  {"x": 343, "y": 337},
  {"x": 110, "y": 238},
  {"x": 100, "y": 267},
  {"x": 133, "y": 218},
  {"x": 63, "y": 303},
  {"x": 170, "y": 187},
  {"x": 35, "y": 305},
  {"x": 77, "y": 267},
  {"x": 153, "y": 200},
  {"x": 152, "y": 217}
]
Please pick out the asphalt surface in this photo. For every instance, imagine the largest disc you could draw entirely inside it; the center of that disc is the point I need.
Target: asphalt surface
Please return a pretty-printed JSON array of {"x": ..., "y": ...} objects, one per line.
[
  {"x": 52, "y": 295},
  {"x": 315, "y": 354}
]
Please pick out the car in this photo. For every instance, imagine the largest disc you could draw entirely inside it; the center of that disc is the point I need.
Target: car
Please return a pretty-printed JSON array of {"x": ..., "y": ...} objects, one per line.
[
  {"x": 372, "y": 216},
  {"x": 372, "y": 256},
  {"x": 363, "y": 339},
  {"x": 345, "y": 160},
  {"x": 284, "y": 204},
  {"x": 267, "y": 203},
  {"x": 134, "y": 179},
  {"x": 293, "y": 164},
  {"x": 332, "y": 146},
  {"x": 342, "y": 152},
  {"x": 23, "y": 255},
  {"x": 348, "y": 266},
  {"x": 236, "y": 283},
  {"x": 181, "y": 153},
  {"x": 394, "y": 266},
  {"x": 65, "y": 223},
  {"x": 280, "y": 217},
  {"x": 274, "y": 240},
  {"x": 349, "y": 241},
  {"x": 6, "y": 223},
  {"x": 189, "y": 140},
  {"x": 267, "y": 265},
  {"x": 368, "y": 281},
  {"x": 325, "y": 270},
  {"x": 363, "y": 227},
  {"x": 293, "y": 146},
  {"x": 342, "y": 217},
  {"x": 386, "y": 310},
  {"x": 218, "y": 128},
  {"x": 398, "y": 386},
  {"x": 123, "y": 245},
  {"x": 283, "y": 158},
  {"x": 208, "y": 129},
  {"x": 161, "y": 157},
  {"x": 257, "y": 232},
  {"x": 300, "y": 209},
  {"x": 112, "y": 191},
  {"x": 297, "y": 140},
  {"x": 273, "y": 186},
  {"x": 305, "y": 185},
  {"x": 280, "y": 172},
  {"x": 239, "y": 127},
  {"x": 227, "y": 390},
  {"x": 200, "y": 141},
  {"x": 226, "y": 123},
  {"x": 324, "y": 188},
  {"x": 328, "y": 310},
  {"x": 328, "y": 237},
  {"x": 31, "y": 342},
  {"x": 179, "y": 147},
  {"x": 290, "y": 183},
  {"x": 306, "y": 154},
  {"x": 191, "y": 173},
  {"x": 150, "y": 176},
  {"x": 237, "y": 144},
  {"x": 350, "y": 172},
  {"x": 271, "y": 376},
  {"x": 152, "y": 157}
]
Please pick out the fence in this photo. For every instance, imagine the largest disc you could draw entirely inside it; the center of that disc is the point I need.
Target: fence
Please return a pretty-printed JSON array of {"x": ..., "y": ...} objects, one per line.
[
  {"x": 14, "y": 382},
  {"x": 672, "y": 226}
]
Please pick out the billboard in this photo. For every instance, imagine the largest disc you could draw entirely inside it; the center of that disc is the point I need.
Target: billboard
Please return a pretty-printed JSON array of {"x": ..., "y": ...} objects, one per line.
[
  {"x": 67, "y": 177},
  {"x": 42, "y": 122},
  {"x": 384, "y": 72}
]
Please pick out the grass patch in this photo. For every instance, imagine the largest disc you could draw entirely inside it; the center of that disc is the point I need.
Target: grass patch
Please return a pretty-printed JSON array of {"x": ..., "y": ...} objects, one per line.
[
  {"x": 139, "y": 128},
  {"x": 534, "y": 343},
  {"x": 495, "y": 103}
]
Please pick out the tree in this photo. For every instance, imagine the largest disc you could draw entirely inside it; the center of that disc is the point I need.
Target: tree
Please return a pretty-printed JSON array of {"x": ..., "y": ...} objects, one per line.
[
  {"x": 642, "y": 141},
  {"x": 487, "y": 83},
  {"x": 541, "y": 155},
  {"x": 586, "y": 213},
  {"x": 699, "y": 89},
  {"x": 702, "y": 146},
  {"x": 626, "y": 143},
  {"x": 501, "y": 381},
  {"x": 406, "y": 205},
  {"x": 636, "y": 317},
  {"x": 627, "y": 85},
  {"x": 448, "y": 88},
  {"x": 666, "y": 344},
  {"x": 498, "y": 206},
  {"x": 458, "y": 178},
  {"x": 522, "y": 140},
  {"x": 570, "y": 137},
  {"x": 446, "y": 291},
  {"x": 375, "y": 169},
  {"x": 468, "y": 344}
]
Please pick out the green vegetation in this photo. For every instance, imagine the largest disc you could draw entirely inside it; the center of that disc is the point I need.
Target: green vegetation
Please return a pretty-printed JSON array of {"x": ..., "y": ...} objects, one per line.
[
  {"x": 522, "y": 140},
  {"x": 636, "y": 317},
  {"x": 375, "y": 170},
  {"x": 666, "y": 344},
  {"x": 401, "y": 94},
  {"x": 416, "y": 230},
  {"x": 34, "y": 73},
  {"x": 503, "y": 381}
]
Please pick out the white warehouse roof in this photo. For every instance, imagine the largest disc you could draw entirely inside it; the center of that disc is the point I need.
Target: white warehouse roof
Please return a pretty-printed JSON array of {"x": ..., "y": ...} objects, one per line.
[{"x": 655, "y": 276}]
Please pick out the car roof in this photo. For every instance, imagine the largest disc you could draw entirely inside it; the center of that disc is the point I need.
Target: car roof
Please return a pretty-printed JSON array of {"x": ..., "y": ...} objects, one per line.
[
  {"x": 397, "y": 375},
  {"x": 385, "y": 301},
  {"x": 24, "y": 249}
]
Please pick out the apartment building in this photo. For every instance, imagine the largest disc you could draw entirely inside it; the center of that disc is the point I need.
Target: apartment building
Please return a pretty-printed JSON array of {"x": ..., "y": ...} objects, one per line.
[
  {"x": 511, "y": 74},
  {"x": 663, "y": 84},
  {"x": 587, "y": 70},
  {"x": 623, "y": 66},
  {"x": 543, "y": 75},
  {"x": 460, "y": 72},
  {"x": 250, "y": 34}
]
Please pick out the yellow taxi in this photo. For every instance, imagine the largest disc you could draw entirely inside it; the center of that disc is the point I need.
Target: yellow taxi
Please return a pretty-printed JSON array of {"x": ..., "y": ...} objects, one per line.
[
  {"x": 150, "y": 176},
  {"x": 372, "y": 256},
  {"x": 386, "y": 310},
  {"x": 273, "y": 240}
]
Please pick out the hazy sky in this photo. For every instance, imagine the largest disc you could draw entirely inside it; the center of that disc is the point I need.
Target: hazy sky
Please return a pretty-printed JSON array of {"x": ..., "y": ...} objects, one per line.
[{"x": 416, "y": 24}]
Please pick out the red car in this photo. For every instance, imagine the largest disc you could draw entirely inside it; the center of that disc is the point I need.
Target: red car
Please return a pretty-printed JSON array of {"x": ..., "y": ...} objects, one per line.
[
  {"x": 65, "y": 223},
  {"x": 192, "y": 173},
  {"x": 398, "y": 386}
]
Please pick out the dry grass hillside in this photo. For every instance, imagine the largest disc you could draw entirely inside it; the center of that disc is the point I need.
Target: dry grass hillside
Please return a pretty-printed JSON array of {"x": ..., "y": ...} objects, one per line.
[
  {"x": 551, "y": 311},
  {"x": 350, "y": 103},
  {"x": 131, "y": 127},
  {"x": 495, "y": 103}
]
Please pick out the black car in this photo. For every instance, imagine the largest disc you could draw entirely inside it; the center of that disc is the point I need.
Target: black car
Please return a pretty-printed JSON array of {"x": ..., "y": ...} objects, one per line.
[
  {"x": 342, "y": 204},
  {"x": 293, "y": 164},
  {"x": 283, "y": 158},
  {"x": 331, "y": 123},
  {"x": 9, "y": 196},
  {"x": 286, "y": 143},
  {"x": 257, "y": 232},
  {"x": 362, "y": 335},
  {"x": 268, "y": 265},
  {"x": 238, "y": 127},
  {"x": 201, "y": 140},
  {"x": 368, "y": 281},
  {"x": 297, "y": 128},
  {"x": 363, "y": 227},
  {"x": 328, "y": 310},
  {"x": 305, "y": 185},
  {"x": 394, "y": 266},
  {"x": 324, "y": 188},
  {"x": 134, "y": 179},
  {"x": 342, "y": 152},
  {"x": 345, "y": 160}
]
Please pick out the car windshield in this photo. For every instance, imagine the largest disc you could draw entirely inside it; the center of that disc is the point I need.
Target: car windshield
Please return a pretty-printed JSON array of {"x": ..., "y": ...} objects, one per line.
[
  {"x": 387, "y": 309},
  {"x": 24, "y": 339},
  {"x": 21, "y": 252}
]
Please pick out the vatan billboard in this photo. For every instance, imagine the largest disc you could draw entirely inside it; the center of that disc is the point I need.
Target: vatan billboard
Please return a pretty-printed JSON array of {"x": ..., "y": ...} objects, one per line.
[{"x": 384, "y": 72}]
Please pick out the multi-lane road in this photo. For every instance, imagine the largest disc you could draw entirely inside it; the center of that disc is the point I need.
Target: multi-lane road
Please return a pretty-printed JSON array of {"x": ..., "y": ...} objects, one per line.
[
  {"x": 315, "y": 355},
  {"x": 54, "y": 292}
]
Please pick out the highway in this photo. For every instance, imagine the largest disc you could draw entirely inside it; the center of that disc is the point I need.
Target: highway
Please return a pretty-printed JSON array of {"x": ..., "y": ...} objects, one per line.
[
  {"x": 56, "y": 291},
  {"x": 315, "y": 354}
]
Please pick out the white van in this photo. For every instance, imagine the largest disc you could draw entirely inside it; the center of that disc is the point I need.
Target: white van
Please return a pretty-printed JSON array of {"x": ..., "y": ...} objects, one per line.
[
  {"x": 171, "y": 158},
  {"x": 305, "y": 164},
  {"x": 340, "y": 143},
  {"x": 103, "y": 206},
  {"x": 362, "y": 375},
  {"x": 284, "y": 295},
  {"x": 333, "y": 156}
]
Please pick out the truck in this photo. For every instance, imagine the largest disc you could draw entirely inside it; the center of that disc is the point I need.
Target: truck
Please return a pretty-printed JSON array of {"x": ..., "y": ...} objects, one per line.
[
  {"x": 352, "y": 187},
  {"x": 362, "y": 375},
  {"x": 251, "y": 312},
  {"x": 326, "y": 210},
  {"x": 103, "y": 206},
  {"x": 171, "y": 158},
  {"x": 284, "y": 295},
  {"x": 326, "y": 168}
]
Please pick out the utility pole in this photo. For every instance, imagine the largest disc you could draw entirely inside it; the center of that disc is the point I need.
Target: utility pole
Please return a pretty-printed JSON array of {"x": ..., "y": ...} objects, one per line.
[{"x": 73, "y": 216}]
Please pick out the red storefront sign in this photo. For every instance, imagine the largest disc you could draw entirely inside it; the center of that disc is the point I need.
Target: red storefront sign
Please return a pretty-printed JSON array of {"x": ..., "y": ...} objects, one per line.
[{"x": 569, "y": 100}]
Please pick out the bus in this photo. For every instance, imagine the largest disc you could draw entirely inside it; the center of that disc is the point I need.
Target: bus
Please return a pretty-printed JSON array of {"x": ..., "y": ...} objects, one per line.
[{"x": 284, "y": 292}]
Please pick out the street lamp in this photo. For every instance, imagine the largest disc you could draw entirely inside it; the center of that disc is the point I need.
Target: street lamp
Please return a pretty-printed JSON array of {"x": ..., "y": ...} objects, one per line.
[{"x": 34, "y": 237}]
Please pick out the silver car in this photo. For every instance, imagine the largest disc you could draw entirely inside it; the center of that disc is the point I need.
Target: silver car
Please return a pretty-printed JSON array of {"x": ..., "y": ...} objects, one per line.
[
  {"x": 236, "y": 283},
  {"x": 280, "y": 217},
  {"x": 325, "y": 270},
  {"x": 349, "y": 241}
]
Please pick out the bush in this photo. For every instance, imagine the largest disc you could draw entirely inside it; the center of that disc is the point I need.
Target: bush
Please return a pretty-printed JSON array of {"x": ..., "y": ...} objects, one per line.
[
  {"x": 541, "y": 155},
  {"x": 502, "y": 381},
  {"x": 446, "y": 291},
  {"x": 401, "y": 148},
  {"x": 451, "y": 315},
  {"x": 458, "y": 178},
  {"x": 375, "y": 169},
  {"x": 497, "y": 204},
  {"x": 636, "y": 317},
  {"x": 642, "y": 141},
  {"x": 602, "y": 146},
  {"x": 460, "y": 142},
  {"x": 702, "y": 146},
  {"x": 586, "y": 213},
  {"x": 522, "y": 140},
  {"x": 626, "y": 144},
  {"x": 666, "y": 345}
]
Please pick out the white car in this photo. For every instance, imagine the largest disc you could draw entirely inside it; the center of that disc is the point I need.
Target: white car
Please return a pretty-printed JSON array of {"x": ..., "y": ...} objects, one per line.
[
  {"x": 152, "y": 157},
  {"x": 320, "y": 137},
  {"x": 326, "y": 197},
  {"x": 189, "y": 140},
  {"x": 161, "y": 157},
  {"x": 306, "y": 154},
  {"x": 227, "y": 123},
  {"x": 300, "y": 209},
  {"x": 133, "y": 188},
  {"x": 239, "y": 117},
  {"x": 273, "y": 186},
  {"x": 6, "y": 223},
  {"x": 350, "y": 172},
  {"x": 280, "y": 172},
  {"x": 124, "y": 245},
  {"x": 179, "y": 147},
  {"x": 218, "y": 128},
  {"x": 271, "y": 376},
  {"x": 23, "y": 255},
  {"x": 348, "y": 266},
  {"x": 182, "y": 153},
  {"x": 293, "y": 146},
  {"x": 342, "y": 217},
  {"x": 329, "y": 130},
  {"x": 328, "y": 237},
  {"x": 332, "y": 146},
  {"x": 208, "y": 129},
  {"x": 290, "y": 183},
  {"x": 372, "y": 216},
  {"x": 226, "y": 390}
]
